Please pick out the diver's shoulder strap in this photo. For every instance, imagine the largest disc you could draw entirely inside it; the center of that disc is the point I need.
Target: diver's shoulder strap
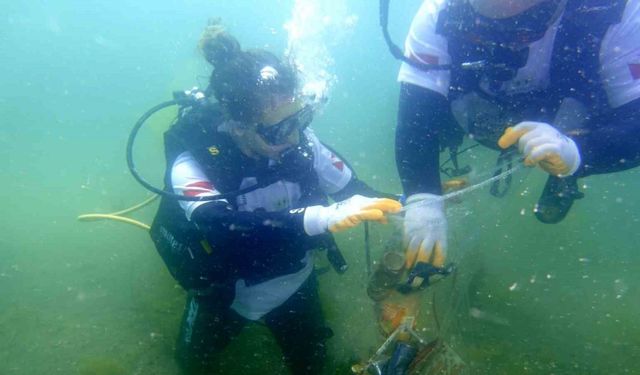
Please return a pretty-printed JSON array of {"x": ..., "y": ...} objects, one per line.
[
  {"x": 575, "y": 64},
  {"x": 188, "y": 130},
  {"x": 196, "y": 126},
  {"x": 594, "y": 16},
  {"x": 197, "y": 132}
]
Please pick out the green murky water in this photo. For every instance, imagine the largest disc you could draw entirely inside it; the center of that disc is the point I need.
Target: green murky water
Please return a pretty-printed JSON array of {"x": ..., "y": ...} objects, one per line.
[{"x": 94, "y": 298}]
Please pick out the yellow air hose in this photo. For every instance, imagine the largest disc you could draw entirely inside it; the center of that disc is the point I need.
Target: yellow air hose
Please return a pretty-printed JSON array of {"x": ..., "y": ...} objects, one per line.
[{"x": 117, "y": 215}]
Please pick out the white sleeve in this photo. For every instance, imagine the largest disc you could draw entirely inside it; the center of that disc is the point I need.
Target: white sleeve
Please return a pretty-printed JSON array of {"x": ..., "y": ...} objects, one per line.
[
  {"x": 425, "y": 46},
  {"x": 188, "y": 179},
  {"x": 620, "y": 57},
  {"x": 333, "y": 173}
]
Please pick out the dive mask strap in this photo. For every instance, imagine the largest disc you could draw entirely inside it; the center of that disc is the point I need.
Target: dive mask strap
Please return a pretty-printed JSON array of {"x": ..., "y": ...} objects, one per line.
[{"x": 277, "y": 134}]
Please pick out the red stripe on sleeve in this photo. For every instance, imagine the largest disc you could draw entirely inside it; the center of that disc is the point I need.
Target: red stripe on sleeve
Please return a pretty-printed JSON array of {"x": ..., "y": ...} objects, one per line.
[
  {"x": 425, "y": 58},
  {"x": 200, "y": 185}
]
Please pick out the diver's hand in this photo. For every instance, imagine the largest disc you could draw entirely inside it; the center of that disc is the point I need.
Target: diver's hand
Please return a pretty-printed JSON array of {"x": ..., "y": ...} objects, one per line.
[
  {"x": 425, "y": 230},
  {"x": 543, "y": 145},
  {"x": 347, "y": 214}
]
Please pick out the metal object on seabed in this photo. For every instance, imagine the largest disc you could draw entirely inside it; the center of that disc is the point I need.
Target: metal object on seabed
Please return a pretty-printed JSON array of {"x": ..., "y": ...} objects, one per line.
[
  {"x": 433, "y": 357},
  {"x": 437, "y": 358}
]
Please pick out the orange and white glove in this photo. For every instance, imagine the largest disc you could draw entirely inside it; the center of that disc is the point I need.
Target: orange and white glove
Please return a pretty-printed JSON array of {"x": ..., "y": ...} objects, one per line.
[
  {"x": 348, "y": 213},
  {"x": 425, "y": 230},
  {"x": 545, "y": 146}
]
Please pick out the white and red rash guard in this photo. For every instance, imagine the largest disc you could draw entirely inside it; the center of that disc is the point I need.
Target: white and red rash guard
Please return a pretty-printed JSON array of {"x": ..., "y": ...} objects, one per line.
[{"x": 333, "y": 174}]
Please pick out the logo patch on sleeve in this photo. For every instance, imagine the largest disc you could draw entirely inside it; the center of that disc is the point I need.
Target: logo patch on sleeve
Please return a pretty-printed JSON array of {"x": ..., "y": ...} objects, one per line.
[{"x": 213, "y": 150}]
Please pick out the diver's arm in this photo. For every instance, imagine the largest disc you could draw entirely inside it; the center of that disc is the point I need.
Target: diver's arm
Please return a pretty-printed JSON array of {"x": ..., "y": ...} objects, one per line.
[
  {"x": 335, "y": 175},
  {"x": 228, "y": 229},
  {"x": 611, "y": 142},
  {"x": 422, "y": 114},
  {"x": 217, "y": 219},
  {"x": 248, "y": 229}
]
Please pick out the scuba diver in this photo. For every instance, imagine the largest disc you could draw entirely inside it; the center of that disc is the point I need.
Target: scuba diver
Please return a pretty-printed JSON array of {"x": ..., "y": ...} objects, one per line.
[
  {"x": 557, "y": 79},
  {"x": 253, "y": 182}
]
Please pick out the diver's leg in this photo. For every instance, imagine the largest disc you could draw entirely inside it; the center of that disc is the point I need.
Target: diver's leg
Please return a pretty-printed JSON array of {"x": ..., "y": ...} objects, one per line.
[
  {"x": 299, "y": 328},
  {"x": 207, "y": 327}
]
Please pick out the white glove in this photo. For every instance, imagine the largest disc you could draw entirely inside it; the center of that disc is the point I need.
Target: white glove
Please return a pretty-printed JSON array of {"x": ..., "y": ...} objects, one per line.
[
  {"x": 543, "y": 145},
  {"x": 425, "y": 230},
  {"x": 347, "y": 214}
]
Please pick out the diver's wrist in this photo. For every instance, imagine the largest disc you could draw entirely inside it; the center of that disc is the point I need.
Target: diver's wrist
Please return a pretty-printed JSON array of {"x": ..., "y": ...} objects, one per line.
[{"x": 316, "y": 220}]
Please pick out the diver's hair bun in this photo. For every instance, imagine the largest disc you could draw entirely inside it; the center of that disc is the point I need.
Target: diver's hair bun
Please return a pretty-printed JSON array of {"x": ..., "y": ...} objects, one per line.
[{"x": 217, "y": 45}]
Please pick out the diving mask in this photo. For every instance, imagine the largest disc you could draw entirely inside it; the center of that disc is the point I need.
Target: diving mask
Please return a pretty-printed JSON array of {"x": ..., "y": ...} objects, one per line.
[{"x": 278, "y": 133}]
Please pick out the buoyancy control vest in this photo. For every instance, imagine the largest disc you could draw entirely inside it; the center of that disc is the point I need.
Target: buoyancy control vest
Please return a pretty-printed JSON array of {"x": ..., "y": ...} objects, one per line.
[
  {"x": 189, "y": 255},
  {"x": 574, "y": 65},
  {"x": 574, "y": 70}
]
